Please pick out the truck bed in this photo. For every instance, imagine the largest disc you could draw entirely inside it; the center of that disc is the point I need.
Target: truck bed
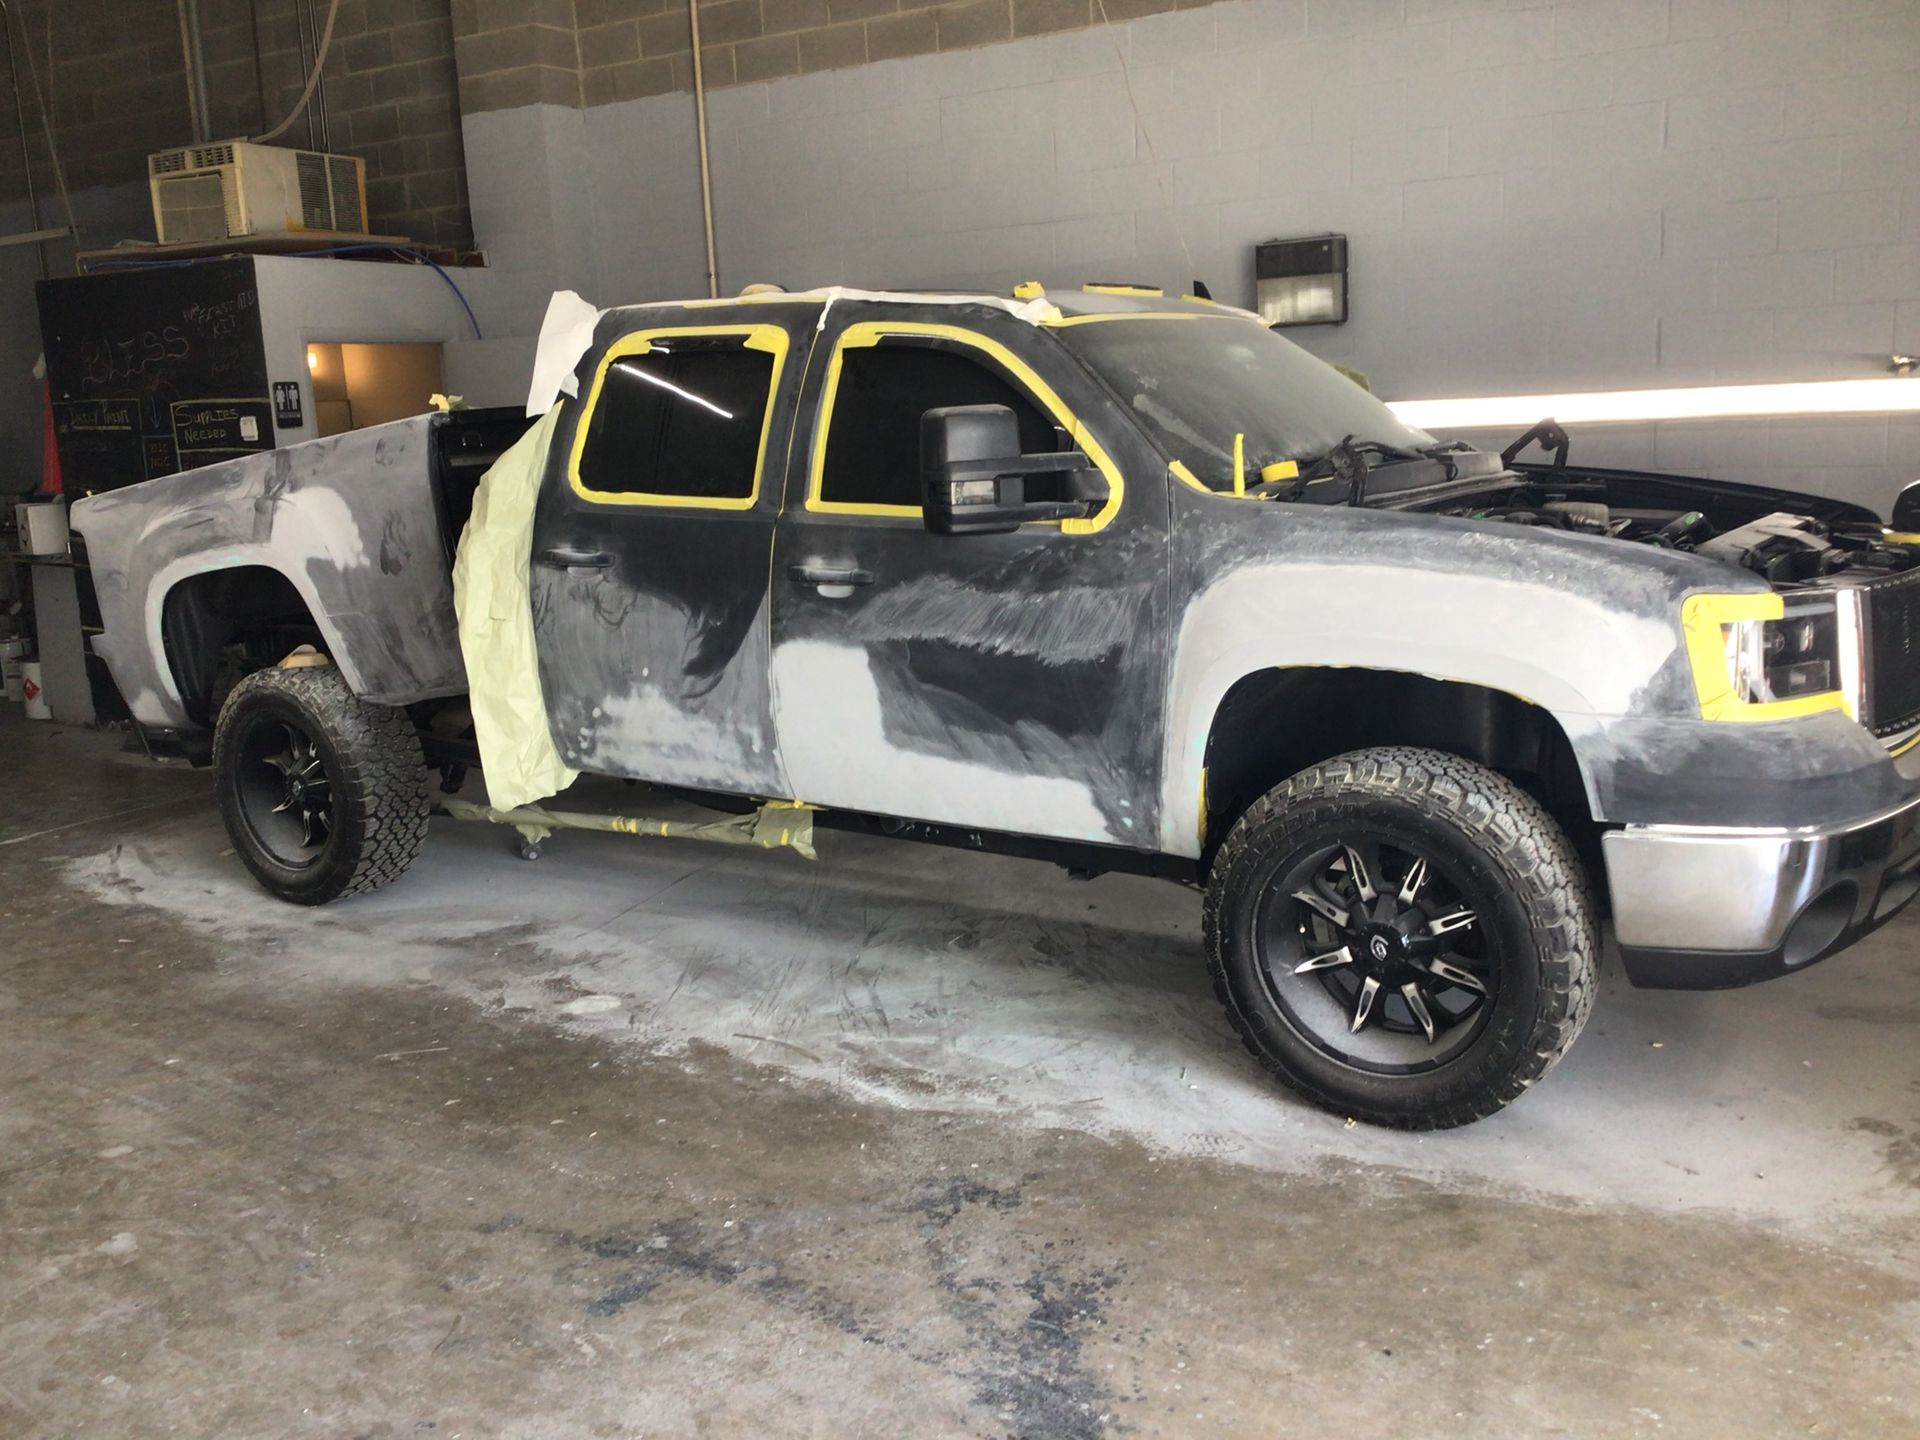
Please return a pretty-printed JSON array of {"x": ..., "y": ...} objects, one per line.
[{"x": 362, "y": 527}]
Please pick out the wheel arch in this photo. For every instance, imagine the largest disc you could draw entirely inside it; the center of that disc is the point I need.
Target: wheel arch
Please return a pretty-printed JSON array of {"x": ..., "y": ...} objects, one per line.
[
  {"x": 1274, "y": 722},
  {"x": 199, "y": 610}
]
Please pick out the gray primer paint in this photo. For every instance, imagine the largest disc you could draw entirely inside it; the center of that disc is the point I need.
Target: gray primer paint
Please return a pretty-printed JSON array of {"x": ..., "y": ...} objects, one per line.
[
  {"x": 1585, "y": 627},
  {"x": 349, "y": 521}
]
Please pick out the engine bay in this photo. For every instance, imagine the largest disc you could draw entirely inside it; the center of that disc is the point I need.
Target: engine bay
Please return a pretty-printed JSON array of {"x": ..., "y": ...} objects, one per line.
[{"x": 1737, "y": 526}]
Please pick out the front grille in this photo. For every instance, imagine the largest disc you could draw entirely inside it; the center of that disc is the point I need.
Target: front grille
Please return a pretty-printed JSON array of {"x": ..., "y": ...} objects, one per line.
[{"x": 1893, "y": 652}]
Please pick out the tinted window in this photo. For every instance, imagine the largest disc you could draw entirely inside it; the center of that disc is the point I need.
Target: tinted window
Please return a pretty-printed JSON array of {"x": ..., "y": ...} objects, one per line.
[
  {"x": 873, "y": 437},
  {"x": 682, "y": 419}
]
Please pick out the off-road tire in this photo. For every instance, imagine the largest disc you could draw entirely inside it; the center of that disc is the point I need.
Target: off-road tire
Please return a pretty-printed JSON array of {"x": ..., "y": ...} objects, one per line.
[
  {"x": 1493, "y": 829},
  {"x": 373, "y": 763}
]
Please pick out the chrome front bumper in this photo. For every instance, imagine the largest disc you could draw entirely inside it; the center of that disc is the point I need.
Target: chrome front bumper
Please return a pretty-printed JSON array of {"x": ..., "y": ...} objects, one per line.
[{"x": 1703, "y": 909}]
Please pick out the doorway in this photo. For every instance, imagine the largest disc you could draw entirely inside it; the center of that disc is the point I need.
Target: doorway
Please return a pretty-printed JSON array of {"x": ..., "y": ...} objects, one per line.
[{"x": 356, "y": 385}]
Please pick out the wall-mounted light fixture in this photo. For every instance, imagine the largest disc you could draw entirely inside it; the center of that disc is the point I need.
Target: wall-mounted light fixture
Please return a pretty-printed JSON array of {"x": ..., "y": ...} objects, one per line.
[{"x": 1301, "y": 282}]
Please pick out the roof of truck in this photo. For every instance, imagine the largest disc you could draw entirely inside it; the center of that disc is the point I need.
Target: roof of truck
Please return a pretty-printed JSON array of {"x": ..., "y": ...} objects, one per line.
[
  {"x": 1028, "y": 301},
  {"x": 571, "y": 323}
]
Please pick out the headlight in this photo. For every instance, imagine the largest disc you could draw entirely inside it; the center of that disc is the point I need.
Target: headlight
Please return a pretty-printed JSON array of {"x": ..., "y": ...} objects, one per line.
[
  {"x": 1762, "y": 657},
  {"x": 1795, "y": 655}
]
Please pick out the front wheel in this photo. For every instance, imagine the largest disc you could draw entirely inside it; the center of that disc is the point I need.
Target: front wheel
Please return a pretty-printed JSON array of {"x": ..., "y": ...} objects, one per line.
[
  {"x": 323, "y": 794},
  {"x": 1402, "y": 936}
]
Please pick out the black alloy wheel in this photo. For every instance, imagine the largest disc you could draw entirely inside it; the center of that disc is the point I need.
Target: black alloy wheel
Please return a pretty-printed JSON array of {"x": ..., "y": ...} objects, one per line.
[
  {"x": 286, "y": 795},
  {"x": 1402, "y": 936},
  {"x": 1377, "y": 955},
  {"x": 324, "y": 794}
]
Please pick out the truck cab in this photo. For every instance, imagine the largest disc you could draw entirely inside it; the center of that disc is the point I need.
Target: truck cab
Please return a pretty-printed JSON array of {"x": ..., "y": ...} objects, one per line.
[{"x": 735, "y": 586}]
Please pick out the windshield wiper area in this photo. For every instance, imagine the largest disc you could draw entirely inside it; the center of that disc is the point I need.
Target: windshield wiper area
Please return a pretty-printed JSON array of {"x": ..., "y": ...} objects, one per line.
[{"x": 1352, "y": 461}]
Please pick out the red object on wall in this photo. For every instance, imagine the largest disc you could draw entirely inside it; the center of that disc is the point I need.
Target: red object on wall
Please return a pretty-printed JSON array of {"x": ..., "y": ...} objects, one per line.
[{"x": 49, "y": 450}]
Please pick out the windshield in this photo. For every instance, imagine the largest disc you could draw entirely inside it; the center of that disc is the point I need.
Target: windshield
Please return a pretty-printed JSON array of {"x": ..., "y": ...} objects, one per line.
[{"x": 1194, "y": 384}]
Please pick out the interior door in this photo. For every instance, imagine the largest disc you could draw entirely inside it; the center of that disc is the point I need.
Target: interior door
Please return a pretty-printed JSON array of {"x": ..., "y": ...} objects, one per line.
[
  {"x": 1010, "y": 682},
  {"x": 652, "y": 539}
]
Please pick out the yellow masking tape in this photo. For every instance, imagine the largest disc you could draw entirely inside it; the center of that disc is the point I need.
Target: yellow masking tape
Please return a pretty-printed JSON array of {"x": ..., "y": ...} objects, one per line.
[
  {"x": 872, "y": 333},
  {"x": 1180, "y": 472},
  {"x": 771, "y": 339},
  {"x": 1702, "y": 618}
]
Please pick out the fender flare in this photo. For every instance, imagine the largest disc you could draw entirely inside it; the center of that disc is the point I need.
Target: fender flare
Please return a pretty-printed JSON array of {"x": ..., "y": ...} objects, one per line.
[{"x": 1431, "y": 624}]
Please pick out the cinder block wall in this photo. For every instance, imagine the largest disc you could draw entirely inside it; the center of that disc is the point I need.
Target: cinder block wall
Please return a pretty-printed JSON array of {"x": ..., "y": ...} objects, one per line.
[
  {"x": 1573, "y": 195},
  {"x": 113, "y": 75}
]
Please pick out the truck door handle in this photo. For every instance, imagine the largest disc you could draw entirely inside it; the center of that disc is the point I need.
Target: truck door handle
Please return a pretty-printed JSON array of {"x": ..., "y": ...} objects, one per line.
[
  {"x": 577, "y": 559},
  {"x": 811, "y": 574}
]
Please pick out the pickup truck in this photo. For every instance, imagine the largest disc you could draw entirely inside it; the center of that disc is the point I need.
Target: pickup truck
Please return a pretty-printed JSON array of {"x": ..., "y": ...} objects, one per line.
[{"x": 1111, "y": 579}]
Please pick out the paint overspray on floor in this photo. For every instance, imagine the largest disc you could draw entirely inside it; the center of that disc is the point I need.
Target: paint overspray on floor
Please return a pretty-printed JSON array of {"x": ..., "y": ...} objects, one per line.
[{"x": 947, "y": 981}]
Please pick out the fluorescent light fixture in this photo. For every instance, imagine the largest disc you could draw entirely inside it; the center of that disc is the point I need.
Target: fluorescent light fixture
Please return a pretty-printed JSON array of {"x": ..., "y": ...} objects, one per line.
[{"x": 1700, "y": 402}]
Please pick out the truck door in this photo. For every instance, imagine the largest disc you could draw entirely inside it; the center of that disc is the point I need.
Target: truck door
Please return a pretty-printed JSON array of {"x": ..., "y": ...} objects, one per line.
[
  {"x": 1011, "y": 682},
  {"x": 651, "y": 542}
]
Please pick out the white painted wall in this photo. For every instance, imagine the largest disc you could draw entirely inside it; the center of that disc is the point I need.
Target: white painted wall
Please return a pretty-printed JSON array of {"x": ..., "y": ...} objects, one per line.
[{"x": 1571, "y": 195}]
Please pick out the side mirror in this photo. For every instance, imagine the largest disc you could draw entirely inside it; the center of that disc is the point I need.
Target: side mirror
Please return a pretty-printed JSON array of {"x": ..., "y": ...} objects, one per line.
[
  {"x": 1906, "y": 509},
  {"x": 974, "y": 478}
]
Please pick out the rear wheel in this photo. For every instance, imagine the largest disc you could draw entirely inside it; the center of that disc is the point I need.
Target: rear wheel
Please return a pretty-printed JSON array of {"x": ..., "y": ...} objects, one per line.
[
  {"x": 1402, "y": 936},
  {"x": 323, "y": 794}
]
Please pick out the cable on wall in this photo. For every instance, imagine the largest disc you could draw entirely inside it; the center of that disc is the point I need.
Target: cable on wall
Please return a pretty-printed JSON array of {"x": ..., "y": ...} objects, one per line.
[
  {"x": 700, "y": 126},
  {"x": 1140, "y": 124},
  {"x": 197, "y": 70},
  {"x": 20, "y": 121},
  {"x": 313, "y": 79},
  {"x": 195, "y": 117},
  {"x": 46, "y": 116}
]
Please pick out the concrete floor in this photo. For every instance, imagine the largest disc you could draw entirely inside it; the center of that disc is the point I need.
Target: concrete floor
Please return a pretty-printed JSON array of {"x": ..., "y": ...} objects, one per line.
[{"x": 655, "y": 1139}]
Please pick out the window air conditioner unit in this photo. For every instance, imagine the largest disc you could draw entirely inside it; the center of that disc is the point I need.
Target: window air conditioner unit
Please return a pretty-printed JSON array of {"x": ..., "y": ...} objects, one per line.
[{"x": 218, "y": 192}]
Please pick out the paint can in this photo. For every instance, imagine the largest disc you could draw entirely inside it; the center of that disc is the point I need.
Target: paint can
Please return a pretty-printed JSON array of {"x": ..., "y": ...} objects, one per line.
[
  {"x": 35, "y": 696},
  {"x": 13, "y": 654}
]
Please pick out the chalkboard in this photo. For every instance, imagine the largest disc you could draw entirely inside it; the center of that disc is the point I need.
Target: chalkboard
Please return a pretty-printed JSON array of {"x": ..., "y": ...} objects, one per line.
[{"x": 155, "y": 370}]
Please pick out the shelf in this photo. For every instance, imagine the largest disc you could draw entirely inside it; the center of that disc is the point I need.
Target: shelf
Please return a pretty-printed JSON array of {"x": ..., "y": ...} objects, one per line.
[{"x": 273, "y": 244}]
